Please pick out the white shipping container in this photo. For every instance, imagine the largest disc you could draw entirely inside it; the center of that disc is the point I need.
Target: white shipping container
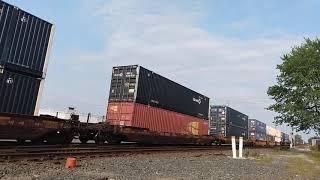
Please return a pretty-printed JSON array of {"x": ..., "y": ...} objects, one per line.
[
  {"x": 273, "y": 132},
  {"x": 277, "y": 139}
]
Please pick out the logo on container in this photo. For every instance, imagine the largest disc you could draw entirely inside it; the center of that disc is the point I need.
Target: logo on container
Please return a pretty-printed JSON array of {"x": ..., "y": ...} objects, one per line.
[
  {"x": 24, "y": 19},
  {"x": 197, "y": 100},
  {"x": 154, "y": 101},
  {"x": 9, "y": 81},
  {"x": 114, "y": 108}
]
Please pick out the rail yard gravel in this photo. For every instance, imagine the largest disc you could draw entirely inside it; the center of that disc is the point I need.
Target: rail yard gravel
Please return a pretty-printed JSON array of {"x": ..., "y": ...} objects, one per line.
[{"x": 188, "y": 165}]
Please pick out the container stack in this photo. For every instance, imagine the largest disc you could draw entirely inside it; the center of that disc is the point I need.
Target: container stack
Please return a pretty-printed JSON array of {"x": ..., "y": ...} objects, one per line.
[
  {"x": 257, "y": 130},
  {"x": 225, "y": 121},
  {"x": 141, "y": 98},
  {"x": 273, "y": 134},
  {"x": 25, "y": 41}
]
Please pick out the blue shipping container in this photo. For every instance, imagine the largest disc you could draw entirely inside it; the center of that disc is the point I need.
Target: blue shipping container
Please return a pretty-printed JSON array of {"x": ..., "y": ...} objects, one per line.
[{"x": 257, "y": 130}]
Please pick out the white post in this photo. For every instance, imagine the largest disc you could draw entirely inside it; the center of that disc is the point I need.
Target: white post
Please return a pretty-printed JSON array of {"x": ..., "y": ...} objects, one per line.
[
  {"x": 240, "y": 146},
  {"x": 234, "y": 150}
]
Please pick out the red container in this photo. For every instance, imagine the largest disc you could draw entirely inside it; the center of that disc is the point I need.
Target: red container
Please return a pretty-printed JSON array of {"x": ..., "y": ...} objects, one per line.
[{"x": 155, "y": 119}]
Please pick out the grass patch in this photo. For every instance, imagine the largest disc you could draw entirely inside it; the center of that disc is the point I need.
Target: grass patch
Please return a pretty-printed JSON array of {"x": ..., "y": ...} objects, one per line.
[
  {"x": 301, "y": 167},
  {"x": 315, "y": 156},
  {"x": 253, "y": 154},
  {"x": 265, "y": 160}
]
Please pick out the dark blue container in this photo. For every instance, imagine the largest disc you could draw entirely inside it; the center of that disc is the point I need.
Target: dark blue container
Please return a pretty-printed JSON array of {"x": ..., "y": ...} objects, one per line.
[
  {"x": 257, "y": 130},
  {"x": 228, "y": 122},
  {"x": 24, "y": 41}
]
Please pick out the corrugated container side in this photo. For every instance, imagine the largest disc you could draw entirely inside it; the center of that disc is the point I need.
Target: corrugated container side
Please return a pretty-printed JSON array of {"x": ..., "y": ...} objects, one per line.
[
  {"x": 257, "y": 130},
  {"x": 137, "y": 84},
  {"x": 18, "y": 93},
  {"x": 228, "y": 122},
  {"x": 257, "y": 135},
  {"x": 255, "y": 125},
  {"x": 156, "y": 119},
  {"x": 236, "y": 131},
  {"x": 237, "y": 118},
  {"x": 24, "y": 40}
]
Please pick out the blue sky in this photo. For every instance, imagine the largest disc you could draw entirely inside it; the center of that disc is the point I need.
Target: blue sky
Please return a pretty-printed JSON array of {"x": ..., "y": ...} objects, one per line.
[{"x": 226, "y": 50}]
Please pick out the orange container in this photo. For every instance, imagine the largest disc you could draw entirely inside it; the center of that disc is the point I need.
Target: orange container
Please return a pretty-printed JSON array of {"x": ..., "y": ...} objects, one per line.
[{"x": 156, "y": 119}]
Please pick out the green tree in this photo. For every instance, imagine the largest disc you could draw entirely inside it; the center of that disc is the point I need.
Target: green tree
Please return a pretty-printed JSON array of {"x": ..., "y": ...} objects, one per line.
[{"x": 297, "y": 92}]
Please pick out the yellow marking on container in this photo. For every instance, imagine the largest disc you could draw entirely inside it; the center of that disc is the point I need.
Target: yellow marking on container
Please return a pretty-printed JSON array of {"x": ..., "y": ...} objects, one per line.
[{"x": 114, "y": 108}]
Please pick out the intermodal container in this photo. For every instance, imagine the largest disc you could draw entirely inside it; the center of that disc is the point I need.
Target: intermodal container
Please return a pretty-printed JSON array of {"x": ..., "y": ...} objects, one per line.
[
  {"x": 136, "y": 84},
  {"x": 25, "y": 41},
  {"x": 257, "y": 130},
  {"x": 155, "y": 119},
  {"x": 18, "y": 93},
  {"x": 275, "y": 133},
  {"x": 284, "y": 137},
  {"x": 227, "y": 122}
]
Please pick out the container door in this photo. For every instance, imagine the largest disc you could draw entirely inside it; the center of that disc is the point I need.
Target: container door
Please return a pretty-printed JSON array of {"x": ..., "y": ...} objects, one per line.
[{"x": 123, "y": 84}]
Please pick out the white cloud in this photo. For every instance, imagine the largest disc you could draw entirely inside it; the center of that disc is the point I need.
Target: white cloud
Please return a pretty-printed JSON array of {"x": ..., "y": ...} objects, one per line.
[{"x": 165, "y": 37}]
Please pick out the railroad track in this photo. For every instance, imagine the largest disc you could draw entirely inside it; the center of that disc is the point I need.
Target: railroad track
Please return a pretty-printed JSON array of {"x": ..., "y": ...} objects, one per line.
[{"x": 52, "y": 152}]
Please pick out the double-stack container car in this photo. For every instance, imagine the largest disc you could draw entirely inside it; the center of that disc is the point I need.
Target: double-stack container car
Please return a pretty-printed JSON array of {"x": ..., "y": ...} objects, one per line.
[
  {"x": 225, "y": 121},
  {"x": 143, "y": 106},
  {"x": 142, "y": 98},
  {"x": 25, "y": 42},
  {"x": 257, "y": 130}
]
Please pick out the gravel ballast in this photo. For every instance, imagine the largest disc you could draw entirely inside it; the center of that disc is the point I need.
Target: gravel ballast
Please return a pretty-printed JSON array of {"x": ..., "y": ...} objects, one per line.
[{"x": 184, "y": 165}]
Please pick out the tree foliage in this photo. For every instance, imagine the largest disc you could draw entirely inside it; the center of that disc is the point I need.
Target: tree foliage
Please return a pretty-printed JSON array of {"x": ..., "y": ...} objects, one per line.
[{"x": 297, "y": 92}]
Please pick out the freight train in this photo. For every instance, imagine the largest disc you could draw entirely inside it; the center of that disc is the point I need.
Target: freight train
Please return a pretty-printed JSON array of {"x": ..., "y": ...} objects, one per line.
[{"x": 143, "y": 106}]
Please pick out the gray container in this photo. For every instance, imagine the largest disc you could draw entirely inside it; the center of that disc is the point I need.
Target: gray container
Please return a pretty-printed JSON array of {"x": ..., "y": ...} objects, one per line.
[
  {"x": 257, "y": 130},
  {"x": 227, "y": 122},
  {"x": 136, "y": 84},
  {"x": 18, "y": 93},
  {"x": 24, "y": 41}
]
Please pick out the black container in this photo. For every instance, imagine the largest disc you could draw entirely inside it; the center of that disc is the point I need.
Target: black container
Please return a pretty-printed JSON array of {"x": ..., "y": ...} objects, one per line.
[
  {"x": 24, "y": 40},
  {"x": 227, "y": 122},
  {"x": 137, "y": 84},
  {"x": 18, "y": 93},
  {"x": 257, "y": 130}
]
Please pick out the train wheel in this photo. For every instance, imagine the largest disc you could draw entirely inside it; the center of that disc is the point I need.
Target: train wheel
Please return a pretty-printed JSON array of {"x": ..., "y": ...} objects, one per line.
[
  {"x": 83, "y": 140},
  {"x": 99, "y": 141},
  {"x": 20, "y": 141},
  {"x": 37, "y": 141},
  {"x": 68, "y": 139}
]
